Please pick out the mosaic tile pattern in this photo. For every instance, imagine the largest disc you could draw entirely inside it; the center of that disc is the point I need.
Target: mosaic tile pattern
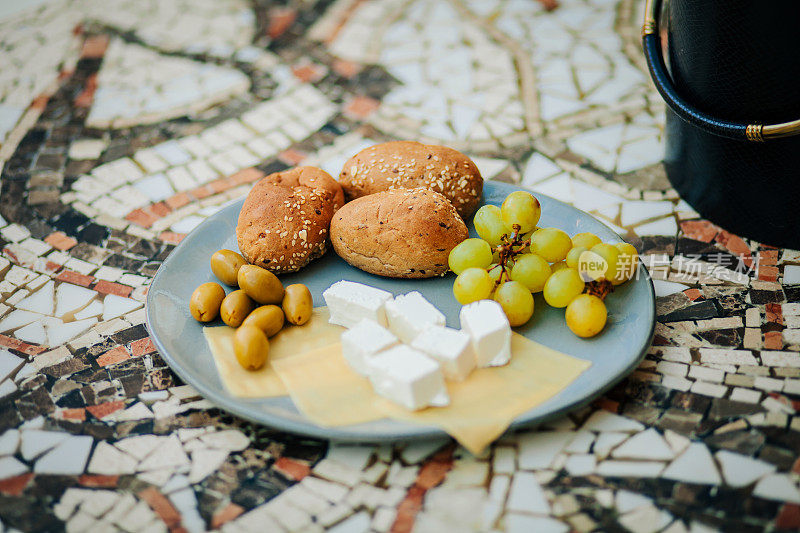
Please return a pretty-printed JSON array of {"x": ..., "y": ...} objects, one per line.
[{"x": 116, "y": 143}]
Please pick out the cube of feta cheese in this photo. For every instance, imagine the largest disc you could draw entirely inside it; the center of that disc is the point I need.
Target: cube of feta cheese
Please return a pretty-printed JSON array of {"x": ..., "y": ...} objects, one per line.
[
  {"x": 349, "y": 302},
  {"x": 407, "y": 377},
  {"x": 449, "y": 347},
  {"x": 488, "y": 327},
  {"x": 363, "y": 341},
  {"x": 411, "y": 314}
]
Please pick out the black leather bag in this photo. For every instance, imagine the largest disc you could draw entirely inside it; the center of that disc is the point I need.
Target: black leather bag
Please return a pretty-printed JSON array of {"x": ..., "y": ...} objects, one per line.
[{"x": 733, "y": 108}]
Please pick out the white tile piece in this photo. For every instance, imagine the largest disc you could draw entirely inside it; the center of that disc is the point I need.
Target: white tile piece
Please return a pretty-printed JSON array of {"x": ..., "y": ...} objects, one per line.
[
  {"x": 645, "y": 445},
  {"x": 694, "y": 465},
  {"x": 538, "y": 449},
  {"x": 10, "y": 467},
  {"x": 526, "y": 495},
  {"x": 9, "y": 442},
  {"x": 606, "y": 442},
  {"x": 615, "y": 468},
  {"x": 59, "y": 334},
  {"x": 66, "y": 459},
  {"x": 523, "y": 523},
  {"x": 602, "y": 420},
  {"x": 18, "y": 318},
  {"x": 94, "y": 309},
  {"x": 9, "y": 363},
  {"x": 115, "y": 306},
  {"x": 36, "y": 441},
  {"x": 778, "y": 487},
  {"x": 33, "y": 333},
  {"x": 741, "y": 470},
  {"x": 580, "y": 464}
]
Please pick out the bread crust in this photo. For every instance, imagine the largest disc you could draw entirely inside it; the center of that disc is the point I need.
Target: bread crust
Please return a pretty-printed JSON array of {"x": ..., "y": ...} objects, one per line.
[
  {"x": 285, "y": 220},
  {"x": 399, "y": 233},
  {"x": 409, "y": 164}
]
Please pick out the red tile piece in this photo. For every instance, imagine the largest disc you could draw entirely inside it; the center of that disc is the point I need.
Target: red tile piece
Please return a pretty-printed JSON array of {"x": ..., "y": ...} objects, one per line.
[
  {"x": 767, "y": 273},
  {"x": 292, "y": 156},
  {"x": 221, "y": 185},
  {"x": 84, "y": 99},
  {"x": 201, "y": 192},
  {"x": 141, "y": 217},
  {"x": 14, "y": 486},
  {"x": 142, "y": 347},
  {"x": 162, "y": 507},
  {"x": 693, "y": 294},
  {"x": 30, "y": 349},
  {"x": 280, "y": 19},
  {"x": 98, "y": 481},
  {"x": 346, "y": 69},
  {"x": 94, "y": 47},
  {"x": 361, "y": 106},
  {"x": 171, "y": 237},
  {"x": 768, "y": 257},
  {"x": 109, "y": 287},
  {"x": 75, "y": 278},
  {"x": 735, "y": 245},
  {"x": 160, "y": 209},
  {"x": 309, "y": 72},
  {"x": 773, "y": 340},
  {"x": 407, "y": 511},
  {"x": 178, "y": 200},
  {"x": 78, "y": 413},
  {"x": 607, "y": 404},
  {"x": 10, "y": 342},
  {"x": 699, "y": 230},
  {"x": 247, "y": 175},
  {"x": 60, "y": 241},
  {"x": 788, "y": 518},
  {"x": 104, "y": 409},
  {"x": 225, "y": 515},
  {"x": 114, "y": 355},
  {"x": 774, "y": 313},
  {"x": 291, "y": 468}
]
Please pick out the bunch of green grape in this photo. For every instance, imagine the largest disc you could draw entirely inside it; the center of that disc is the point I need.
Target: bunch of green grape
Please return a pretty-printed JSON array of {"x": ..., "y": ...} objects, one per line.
[{"x": 513, "y": 259}]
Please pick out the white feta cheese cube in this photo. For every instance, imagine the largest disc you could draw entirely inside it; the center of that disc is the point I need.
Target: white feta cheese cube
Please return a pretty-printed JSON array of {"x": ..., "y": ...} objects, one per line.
[
  {"x": 488, "y": 327},
  {"x": 407, "y": 377},
  {"x": 349, "y": 302},
  {"x": 449, "y": 347},
  {"x": 363, "y": 341},
  {"x": 411, "y": 314}
]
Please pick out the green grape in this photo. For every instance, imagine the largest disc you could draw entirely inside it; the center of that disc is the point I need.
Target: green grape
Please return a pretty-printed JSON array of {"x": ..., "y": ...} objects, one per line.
[
  {"x": 516, "y": 300},
  {"x": 472, "y": 285},
  {"x": 495, "y": 272},
  {"x": 609, "y": 253},
  {"x": 574, "y": 255},
  {"x": 532, "y": 271},
  {"x": 521, "y": 208},
  {"x": 626, "y": 263},
  {"x": 489, "y": 224},
  {"x": 587, "y": 240},
  {"x": 586, "y": 315},
  {"x": 558, "y": 265},
  {"x": 551, "y": 243},
  {"x": 470, "y": 253},
  {"x": 562, "y": 287}
]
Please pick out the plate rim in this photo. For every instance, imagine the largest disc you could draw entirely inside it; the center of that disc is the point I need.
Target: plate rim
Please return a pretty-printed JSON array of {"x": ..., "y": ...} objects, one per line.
[{"x": 234, "y": 406}]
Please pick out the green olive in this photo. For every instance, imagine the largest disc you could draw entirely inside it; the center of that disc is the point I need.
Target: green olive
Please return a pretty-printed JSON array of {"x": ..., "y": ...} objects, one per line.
[
  {"x": 260, "y": 284},
  {"x": 251, "y": 347},
  {"x": 298, "y": 304},
  {"x": 225, "y": 264},
  {"x": 206, "y": 301},
  {"x": 267, "y": 318},
  {"x": 235, "y": 308}
]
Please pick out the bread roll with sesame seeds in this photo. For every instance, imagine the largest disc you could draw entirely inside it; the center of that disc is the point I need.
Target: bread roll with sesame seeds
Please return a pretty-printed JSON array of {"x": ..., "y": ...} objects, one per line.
[
  {"x": 408, "y": 164},
  {"x": 400, "y": 233},
  {"x": 285, "y": 219}
]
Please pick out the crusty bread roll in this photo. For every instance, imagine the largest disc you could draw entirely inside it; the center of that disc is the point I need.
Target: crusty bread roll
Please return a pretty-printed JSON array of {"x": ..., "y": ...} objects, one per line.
[
  {"x": 408, "y": 164},
  {"x": 285, "y": 219},
  {"x": 400, "y": 233}
]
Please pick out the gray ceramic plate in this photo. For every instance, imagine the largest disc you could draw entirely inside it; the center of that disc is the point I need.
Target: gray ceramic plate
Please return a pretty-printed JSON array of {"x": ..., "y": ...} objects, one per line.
[{"x": 179, "y": 338}]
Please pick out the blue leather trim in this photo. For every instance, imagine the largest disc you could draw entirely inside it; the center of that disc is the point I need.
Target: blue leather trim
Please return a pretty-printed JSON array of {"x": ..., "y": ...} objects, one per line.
[{"x": 662, "y": 81}]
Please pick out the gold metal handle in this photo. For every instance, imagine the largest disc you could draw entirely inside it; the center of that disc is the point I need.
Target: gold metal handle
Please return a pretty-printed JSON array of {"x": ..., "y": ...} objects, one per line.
[{"x": 755, "y": 132}]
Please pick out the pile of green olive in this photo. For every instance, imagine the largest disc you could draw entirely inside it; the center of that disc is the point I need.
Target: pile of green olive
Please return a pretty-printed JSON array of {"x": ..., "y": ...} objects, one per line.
[{"x": 257, "y": 309}]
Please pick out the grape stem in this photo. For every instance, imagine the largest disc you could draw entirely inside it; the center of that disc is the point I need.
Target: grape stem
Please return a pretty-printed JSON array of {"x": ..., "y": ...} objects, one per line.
[
  {"x": 601, "y": 288},
  {"x": 510, "y": 246}
]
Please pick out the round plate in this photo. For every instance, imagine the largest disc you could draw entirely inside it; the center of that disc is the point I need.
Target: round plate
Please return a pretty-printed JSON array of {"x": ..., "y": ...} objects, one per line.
[{"x": 179, "y": 338}]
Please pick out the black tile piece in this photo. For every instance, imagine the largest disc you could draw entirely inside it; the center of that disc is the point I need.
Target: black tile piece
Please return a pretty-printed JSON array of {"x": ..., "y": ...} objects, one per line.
[
  {"x": 658, "y": 245},
  {"x": 746, "y": 442},
  {"x": 672, "y": 302},
  {"x": 150, "y": 268},
  {"x": 792, "y": 293},
  {"x": 688, "y": 401},
  {"x": 124, "y": 262},
  {"x": 766, "y": 297},
  {"x": 34, "y": 403},
  {"x": 683, "y": 422},
  {"x": 70, "y": 222},
  {"x": 780, "y": 457},
  {"x": 645, "y": 414},
  {"x": 723, "y": 337},
  {"x": 722, "y": 409},
  {"x": 144, "y": 248},
  {"x": 93, "y": 234},
  {"x": 72, "y": 399},
  {"x": 698, "y": 311}
]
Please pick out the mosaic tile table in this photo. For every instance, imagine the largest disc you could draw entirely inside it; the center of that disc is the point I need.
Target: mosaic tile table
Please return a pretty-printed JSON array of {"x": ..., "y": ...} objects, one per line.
[{"x": 124, "y": 122}]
